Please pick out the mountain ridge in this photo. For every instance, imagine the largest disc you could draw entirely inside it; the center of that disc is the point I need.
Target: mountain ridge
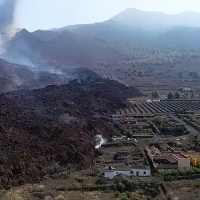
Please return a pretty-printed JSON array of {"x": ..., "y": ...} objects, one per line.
[{"x": 92, "y": 44}]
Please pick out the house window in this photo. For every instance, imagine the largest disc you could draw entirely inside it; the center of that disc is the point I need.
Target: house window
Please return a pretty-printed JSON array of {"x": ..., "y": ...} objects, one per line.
[
  {"x": 144, "y": 172},
  {"x": 131, "y": 172}
]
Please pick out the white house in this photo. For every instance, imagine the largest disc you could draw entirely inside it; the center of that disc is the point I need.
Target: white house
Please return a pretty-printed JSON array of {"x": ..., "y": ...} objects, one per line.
[{"x": 138, "y": 170}]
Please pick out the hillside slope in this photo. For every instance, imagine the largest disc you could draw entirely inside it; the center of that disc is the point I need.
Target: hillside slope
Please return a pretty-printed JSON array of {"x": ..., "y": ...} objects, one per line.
[
  {"x": 107, "y": 42},
  {"x": 67, "y": 48},
  {"x": 180, "y": 37},
  {"x": 44, "y": 128},
  {"x": 15, "y": 77},
  {"x": 157, "y": 20}
]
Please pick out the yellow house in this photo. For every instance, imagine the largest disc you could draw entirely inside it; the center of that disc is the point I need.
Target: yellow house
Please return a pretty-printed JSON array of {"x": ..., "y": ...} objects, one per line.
[{"x": 194, "y": 158}]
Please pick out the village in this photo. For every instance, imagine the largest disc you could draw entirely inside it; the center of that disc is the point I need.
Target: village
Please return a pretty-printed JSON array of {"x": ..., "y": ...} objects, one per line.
[
  {"x": 150, "y": 145},
  {"x": 160, "y": 147}
]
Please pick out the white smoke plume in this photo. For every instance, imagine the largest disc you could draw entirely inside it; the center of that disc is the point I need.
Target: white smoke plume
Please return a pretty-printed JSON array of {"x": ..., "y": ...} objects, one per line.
[
  {"x": 100, "y": 142},
  {"x": 7, "y": 26}
]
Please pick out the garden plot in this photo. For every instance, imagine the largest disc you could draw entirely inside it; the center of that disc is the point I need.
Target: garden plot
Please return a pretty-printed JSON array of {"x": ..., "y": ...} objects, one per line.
[
  {"x": 168, "y": 126},
  {"x": 142, "y": 129},
  {"x": 129, "y": 149},
  {"x": 194, "y": 120}
]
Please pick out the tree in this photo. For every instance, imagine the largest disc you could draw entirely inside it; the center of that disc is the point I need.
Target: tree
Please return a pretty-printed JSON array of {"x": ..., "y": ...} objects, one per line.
[
  {"x": 170, "y": 96},
  {"x": 155, "y": 94},
  {"x": 157, "y": 121},
  {"x": 128, "y": 194},
  {"x": 177, "y": 95},
  {"x": 194, "y": 140},
  {"x": 101, "y": 181},
  {"x": 120, "y": 187},
  {"x": 198, "y": 165}
]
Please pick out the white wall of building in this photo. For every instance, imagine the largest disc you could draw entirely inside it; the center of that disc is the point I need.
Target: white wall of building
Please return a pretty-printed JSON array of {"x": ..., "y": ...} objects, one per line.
[
  {"x": 110, "y": 174},
  {"x": 141, "y": 172},
  {"x": 183, "y": 162}
]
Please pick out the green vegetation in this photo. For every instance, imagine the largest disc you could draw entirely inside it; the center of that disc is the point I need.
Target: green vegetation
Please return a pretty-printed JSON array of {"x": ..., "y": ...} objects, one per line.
[
  {"x": 168, "y": 126},
  {"x": 121, "y": 187},
  {"x": 128, "y": 194},
  {"x": 194, "y": 140},
  {"x": 150, "y": 187},
  {"x": 129, "y": 133},
  {"x": 198, "y": 165},
  {"x": 170, "y": 96},
  {"x": 178, "y": 130},
  {"x": 177, "y": 95},
  {"x": 155, "y": 94},
  {"x": 158, "y": 121},
  {"x": 178, "y": 172},
  {"x": 101, "y": 181}
]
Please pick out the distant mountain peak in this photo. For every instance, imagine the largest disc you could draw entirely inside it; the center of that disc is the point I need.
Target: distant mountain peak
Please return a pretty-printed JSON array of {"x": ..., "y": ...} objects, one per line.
[
  {"x": 133, "y": 12},
  {"x": 23, "y": 32},
  {"x": 189, "y": 12}
]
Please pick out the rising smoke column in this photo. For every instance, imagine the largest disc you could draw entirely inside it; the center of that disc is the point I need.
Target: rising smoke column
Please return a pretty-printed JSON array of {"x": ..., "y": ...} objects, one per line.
[{"x": 7, "y": 11}]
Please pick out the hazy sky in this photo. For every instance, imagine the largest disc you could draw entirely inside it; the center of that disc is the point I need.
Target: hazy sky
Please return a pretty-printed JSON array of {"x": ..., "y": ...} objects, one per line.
[{"x": 45, "y": 14}]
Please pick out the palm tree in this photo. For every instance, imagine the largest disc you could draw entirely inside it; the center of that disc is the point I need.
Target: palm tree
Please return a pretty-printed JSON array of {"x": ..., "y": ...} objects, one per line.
[{"x": 194, "y": 140}]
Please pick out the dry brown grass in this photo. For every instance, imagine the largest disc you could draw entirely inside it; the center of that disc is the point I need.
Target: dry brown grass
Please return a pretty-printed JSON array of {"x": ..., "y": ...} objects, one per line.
[
  {"x": 26, "y": 193},
  {"x": 184, "y": 190},
  {"x": 20, "y": 193}
]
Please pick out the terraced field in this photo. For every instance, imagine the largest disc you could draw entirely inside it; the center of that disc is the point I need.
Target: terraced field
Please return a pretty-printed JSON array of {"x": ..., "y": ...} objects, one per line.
[{"x": 162, "y": 107}]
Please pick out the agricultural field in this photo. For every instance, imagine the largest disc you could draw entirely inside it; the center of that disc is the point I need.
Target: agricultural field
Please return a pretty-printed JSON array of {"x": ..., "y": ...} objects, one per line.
[
  {"x": 166, "y": 125},
  {"x": 159, "y": 107},
  {"x": 194, "y": 119},
  {"x": 147, "y": 77},
  {"x": 142, "y": 129}
]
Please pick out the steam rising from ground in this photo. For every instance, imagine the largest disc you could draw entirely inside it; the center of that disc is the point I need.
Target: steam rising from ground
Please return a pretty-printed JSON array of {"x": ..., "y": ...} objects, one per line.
[{"x": 100, "y": 140}]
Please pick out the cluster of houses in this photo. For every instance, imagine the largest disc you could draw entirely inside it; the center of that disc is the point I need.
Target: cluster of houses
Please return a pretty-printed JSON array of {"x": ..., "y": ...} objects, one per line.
[
  {"x": 160, "y": 156},
  {"x": 138, "y": 169},
  {"x": 163, "y": 156},
  {"x": 162, "y": 159},
  {"x": 157, "y": 156}
]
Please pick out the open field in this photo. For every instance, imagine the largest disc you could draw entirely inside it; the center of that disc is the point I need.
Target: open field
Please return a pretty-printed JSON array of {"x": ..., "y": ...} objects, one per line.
[
  {"x": 163, "y": 78},
  {"x": 29, "y": 192},
  {"x": 161, "y": 107},
  {"x": 184, "y": 190},
  {"x": 135, "y": 154}
]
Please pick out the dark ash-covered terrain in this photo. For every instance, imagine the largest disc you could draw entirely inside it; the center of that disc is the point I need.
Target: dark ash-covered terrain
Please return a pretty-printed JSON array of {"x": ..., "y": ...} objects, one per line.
[{"x": 44, "y": 128}]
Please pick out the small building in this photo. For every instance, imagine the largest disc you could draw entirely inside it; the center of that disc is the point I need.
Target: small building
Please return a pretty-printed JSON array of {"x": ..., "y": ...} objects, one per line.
[
  {"x": 140, "y": 170},
  {"x": 122, "y": 155},
  {"x": 167, "y": 160}
]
